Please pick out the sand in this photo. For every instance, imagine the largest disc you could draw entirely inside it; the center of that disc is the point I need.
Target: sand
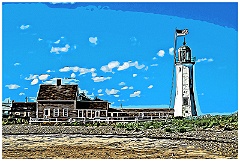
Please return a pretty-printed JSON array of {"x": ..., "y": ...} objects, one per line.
[{"x": 74, "y": 146}]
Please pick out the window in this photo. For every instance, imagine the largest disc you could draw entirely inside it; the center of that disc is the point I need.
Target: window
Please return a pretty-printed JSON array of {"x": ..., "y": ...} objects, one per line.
[
  {"x": 89, "y": 114},
  {"x": 186, "y": 111},
  {"x": 55, "y": 112},
  {"x": 80, "y": 113},
  {"x": 97, "y": 113},
  {"x": 185, "y": 100},
  {"x": 65, "y": 112},
  {"x": 46, "y": 112}
]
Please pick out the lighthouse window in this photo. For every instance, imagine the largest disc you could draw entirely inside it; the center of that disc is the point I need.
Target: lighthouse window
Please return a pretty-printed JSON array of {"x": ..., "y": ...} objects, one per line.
[
  {"x": 185, "y": 101},
  {"x": 179, "y": 69}
]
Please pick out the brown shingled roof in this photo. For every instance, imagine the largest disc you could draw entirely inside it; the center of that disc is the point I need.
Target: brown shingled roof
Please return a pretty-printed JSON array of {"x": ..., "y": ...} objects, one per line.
[{"x": 54, "y": 92}]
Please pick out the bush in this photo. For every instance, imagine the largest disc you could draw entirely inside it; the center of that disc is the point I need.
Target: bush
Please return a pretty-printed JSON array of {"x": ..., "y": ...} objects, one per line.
[
  {"x": 212, "y": 123},
  {"x": 19, "y": 121},
  {"x": 182, "y": 130},
  {"x": 168, "y": 129}
]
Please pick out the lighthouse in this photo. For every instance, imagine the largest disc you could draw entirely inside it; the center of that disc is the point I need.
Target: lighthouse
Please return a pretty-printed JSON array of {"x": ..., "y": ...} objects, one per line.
[{"x": 184, "y": 103}]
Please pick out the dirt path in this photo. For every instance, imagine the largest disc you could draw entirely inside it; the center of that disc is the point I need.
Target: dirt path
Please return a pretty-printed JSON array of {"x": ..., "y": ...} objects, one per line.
[{"x": 63, "y": 146}]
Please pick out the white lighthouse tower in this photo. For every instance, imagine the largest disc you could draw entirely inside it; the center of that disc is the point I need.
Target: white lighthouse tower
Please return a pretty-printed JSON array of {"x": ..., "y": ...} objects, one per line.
[{"x": 184, "y": 103}]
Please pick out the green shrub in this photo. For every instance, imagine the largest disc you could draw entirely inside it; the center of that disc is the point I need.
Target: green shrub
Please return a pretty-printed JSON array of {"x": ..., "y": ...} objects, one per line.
[
  {"x": 182, "y": 130},
  {"x": 168, "y": 129},
  {"x": 212, "y": 123},
  {"x": 19, "y": 121}
]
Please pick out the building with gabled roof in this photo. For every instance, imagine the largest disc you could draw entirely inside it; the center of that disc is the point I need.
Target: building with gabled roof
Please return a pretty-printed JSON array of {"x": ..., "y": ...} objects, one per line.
[{"x": 57, "y": 101}]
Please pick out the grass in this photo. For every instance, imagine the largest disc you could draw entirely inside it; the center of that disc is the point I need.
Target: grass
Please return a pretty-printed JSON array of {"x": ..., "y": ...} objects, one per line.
[{"x": 225, "y": 122}]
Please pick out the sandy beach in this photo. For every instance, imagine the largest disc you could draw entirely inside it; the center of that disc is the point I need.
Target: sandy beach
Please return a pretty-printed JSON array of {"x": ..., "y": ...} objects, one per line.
[
  {"x": 93, "y": 147},
  {"x": 104, "y": 143}
]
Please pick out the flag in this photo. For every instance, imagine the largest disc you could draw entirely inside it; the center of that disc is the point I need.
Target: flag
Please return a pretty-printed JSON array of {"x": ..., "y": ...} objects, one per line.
[{"x": 182, "y": 32}]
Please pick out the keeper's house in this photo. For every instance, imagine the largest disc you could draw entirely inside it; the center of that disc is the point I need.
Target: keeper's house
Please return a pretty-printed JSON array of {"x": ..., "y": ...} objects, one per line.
[{"x": 64, "y": 103}]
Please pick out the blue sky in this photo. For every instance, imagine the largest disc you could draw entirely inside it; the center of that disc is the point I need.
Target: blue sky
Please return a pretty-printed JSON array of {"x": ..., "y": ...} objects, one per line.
[{"x": 120, "y": 52}]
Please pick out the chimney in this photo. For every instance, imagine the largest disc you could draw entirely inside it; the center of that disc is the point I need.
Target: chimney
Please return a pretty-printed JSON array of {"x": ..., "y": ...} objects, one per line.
[{"x": 59, "y": 82}]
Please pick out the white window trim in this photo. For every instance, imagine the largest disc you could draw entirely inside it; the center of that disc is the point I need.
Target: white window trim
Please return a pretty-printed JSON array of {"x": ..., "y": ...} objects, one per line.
[
  {"x": 80, "y": 115},
  {"x": 97, "y": 113},
  {"x": 64, "y": 113},
  {"x": 48, "y": 112},
  {"x": 55, "y": 111}
]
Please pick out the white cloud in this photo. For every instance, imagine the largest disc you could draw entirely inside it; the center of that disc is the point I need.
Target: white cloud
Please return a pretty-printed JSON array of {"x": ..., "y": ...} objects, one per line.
[
  {"x": 135, "y": 94},
  {"x": 34, "y": 81},
  {"x": 100, "y": 79},
  {"x": 24, "y": 27},
  {"x": 116, "y": 95},
  {"x": 204, "y": 59},
  {"x": 146, "y": 78},
  {"x": 133, "y": 39},
  {"x": 128, "y": 64},
  {"x": 85, "y": 70},
  {"x": 154, "y": 65},
  {"x": 21, "y": 94},
  {"x": 73, "y": 75},
  {"x": 31, "y": 77},
  {"x": 39, "y": 39},
  {"x": 146, "y": 68},
  {"x": 57, "y": 42},
  {"x": 12, "y": 86},
  {"x": 150, "y": 87},
  {"x": 125, "y": 87},
  {"x": 131, "y": 87},
  {"x": 121, "y": 84},
  {"x": 210, "y": 60},
  {"x": 134, "y": 75},
  {"x": 26, "y": 88},
  {"x": 154, "y": 58},
  {"x": 93, "y": 40},
  {"x": 137, "y": 65},
  {"x": 124, "y": 66},
  {"x": 65, "y": 69},
  {"x": 69, "y": 81},
  {"x": 7, "y": 100},
  {"x": 94, "y": 74},
  {"x": 53, "y": 81},
  {"x": 74, "y": 69},
  {"x": 81, "y": 70},
  {"x": 43, "y": 77},
  {"x": 75, "y": 46},
  {"x": 200, "y": 60},
  {"x": 49, "y": 71},
  {"x": 171, "y": 51},
  {"x": 110, "y": 66},
  {"x": 60, "y": 49},
  {"x": 100, "y": 90},
  {"x": 112, "y": 91},
  {"x": 161, "y": 53},
  {"x": 33, "y": 99},
  {"x": 16, "y": 64},
  {"x": 100, "y": 94}
]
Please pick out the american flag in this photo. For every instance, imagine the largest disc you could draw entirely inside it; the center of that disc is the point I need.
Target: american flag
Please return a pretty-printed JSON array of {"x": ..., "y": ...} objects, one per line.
[{"x": 181, "y": 32}]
